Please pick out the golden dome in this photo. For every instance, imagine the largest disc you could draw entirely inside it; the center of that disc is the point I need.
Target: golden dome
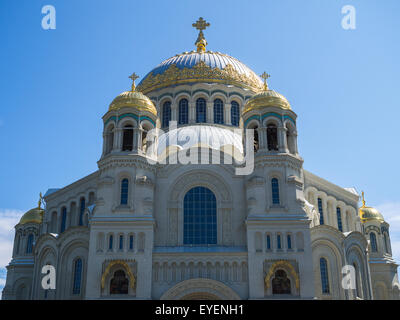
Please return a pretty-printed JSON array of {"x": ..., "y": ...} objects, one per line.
[
  {"x": 268, "y": 98},
  {"x": 134, "y": 99},
  {"x": 32, "y": 216},
  {"x": 369, "y": 213}
]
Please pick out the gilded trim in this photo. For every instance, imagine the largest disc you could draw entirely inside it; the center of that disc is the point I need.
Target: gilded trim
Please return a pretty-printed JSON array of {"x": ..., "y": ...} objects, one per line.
[
  {"x": 284, "y": 264},
  {"x": 132, "y": 279}
]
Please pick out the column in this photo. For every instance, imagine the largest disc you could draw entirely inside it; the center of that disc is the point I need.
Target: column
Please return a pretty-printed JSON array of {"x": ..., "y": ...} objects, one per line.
[
  {"x": 117, "y": 143},
  {"x": 227, "y": 110},
  {"x": 210, "y": 112},
  {"x": 192, "y": 112},
  {"x": 282, "y": 141}
]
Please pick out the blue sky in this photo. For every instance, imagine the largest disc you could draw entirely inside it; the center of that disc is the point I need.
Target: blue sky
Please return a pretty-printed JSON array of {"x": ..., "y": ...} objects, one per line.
[{"x": 57, "y": 84}]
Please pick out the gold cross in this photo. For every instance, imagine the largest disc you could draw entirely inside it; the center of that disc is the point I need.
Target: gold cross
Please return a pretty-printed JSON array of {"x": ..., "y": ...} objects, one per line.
[
  {"x": 265, "y": 76},
  {"x": 133, "y": 76},
  {"x": 201, "y": 24},
  {"x": 363, "y": 199},
  {"x": 40, "y": 200}
]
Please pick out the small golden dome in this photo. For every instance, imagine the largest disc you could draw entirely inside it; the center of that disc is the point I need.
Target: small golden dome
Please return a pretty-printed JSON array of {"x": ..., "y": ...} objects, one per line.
[
  {"x": 268, "y": 98},
  {"x": 32, "y": 216},
  {"x": 369, "y": 213},
  {"x": 134, "y": 99}
]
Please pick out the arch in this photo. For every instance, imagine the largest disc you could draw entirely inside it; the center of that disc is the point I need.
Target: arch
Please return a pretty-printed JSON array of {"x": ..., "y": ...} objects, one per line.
[
  {"x": 254, "y": 125},
  {"x": 200, "y": 288},
  {"x": 77, "y": 277},
  {"x": 282, "y": 264},
  {"x": 119, "y": 284},
  {"x": 324, "y": 272},
  {"x": 29, "y": 244},
  {"x": 372, "y": 238},
  {"x": 125, "y": 266}
]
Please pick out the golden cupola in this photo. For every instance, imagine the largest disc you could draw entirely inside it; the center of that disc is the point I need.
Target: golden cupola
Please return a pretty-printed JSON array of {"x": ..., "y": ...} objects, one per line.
[
  {"x": 34, "y": 215},
  {"x": 266, "y": 98},
  {"x": 133, "y": 99},
  {"x": 369, "y": 213}
]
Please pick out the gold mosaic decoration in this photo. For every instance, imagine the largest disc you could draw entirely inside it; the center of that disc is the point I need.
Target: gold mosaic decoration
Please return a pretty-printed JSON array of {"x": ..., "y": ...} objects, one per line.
[{"x": 201, "y": 72}]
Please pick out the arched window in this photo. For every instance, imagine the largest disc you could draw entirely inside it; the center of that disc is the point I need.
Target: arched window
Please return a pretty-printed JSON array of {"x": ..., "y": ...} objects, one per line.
[
  {"x": 321, "y": 211},
  {"x": 386, "y": 243},
  {"x": 279, "y": 241},
  {"x": 200, "y": 217},
  {"x": 124, "y": 191},
  {"x": 110, "y": 140},
  {"x": 29, "y": 244},
  {"x": 268, "y": 242},
  {"x": 289, "y": 241},
  {"x": 82, "y": 211},
  {"x": 110, "y": 242},
  {"x": 235, "y": 113},
  {"x": 131, "y": 239},
  {"x": 339, "y": 219},
  {"x": 127, "y": 138},
  {"x": 272, "y": 137},
  {"x": 166, "y": 114},
  {"x": 121, "y": 242},
  {"x": 281, "y": 283},
  {"x": 323, "y": 266},
  {"x": 183, "y": 111},
  {"x": 63, "y": 219},
  {"x": 201, "y": 112},
  {"x": 275, "y": 191},
  {"x": 372, "y": 238},
  {"x": 218, "y": 111},
  {"x": 76, "y": 289},
  {"x": 119, "y": 283}
]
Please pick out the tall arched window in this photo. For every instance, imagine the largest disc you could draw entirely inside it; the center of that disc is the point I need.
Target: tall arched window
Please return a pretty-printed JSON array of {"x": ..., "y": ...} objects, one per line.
[
  {"x": 289, "y": 241},
  {"x": 119, "y": 283},
  {"x": 124, "y": 191},
  {"x": 201, "y": 110},
  {"x": 131, "y": 239},
  {"x": 218, "y": 111},
  {"x": 279, "y": 241},
  {"x": 386, "y": 243},
  {"x": 183, "y": 111},
  {"x": 110, "y": 242},
  {"x": 109, "y": 139},
  {"x": 76, "y": 289},
  {"x": 127, "y": 138},
  {"x": 321, "y": 211},
  {"x": 82, "y": 211},
  {"x": 166, "y": 114},
  {"x": 372, "y": 238},
  {"x": 272, "y": 137},
  {"x": 339, "y": 219},
  {"x": 268, "y": 242},
  {"x": 63, "y": 219},
  {"x": 29, "y": 244},
  {"x": 200, "y": 217},
  {"x": 121, "y": 242},
  {"x": 275, "y": 191},
  {"x": 323, "y": 266},
  {"x": 235, "y": 113}
]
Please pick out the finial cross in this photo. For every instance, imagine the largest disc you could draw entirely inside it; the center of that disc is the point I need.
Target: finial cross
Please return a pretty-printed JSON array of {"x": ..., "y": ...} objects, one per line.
[
  {"x": 201, "y": 24},
  {"x": 265, "y": 76},
  {"x": 133, "y": 76}
]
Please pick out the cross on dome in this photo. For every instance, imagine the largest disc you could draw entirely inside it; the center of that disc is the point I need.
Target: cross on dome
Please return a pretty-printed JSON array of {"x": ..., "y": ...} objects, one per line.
[
  {"x": 133, "y": 77},
  {"x": 201, "y": 42},
  {"x": 265, "y": 76}
]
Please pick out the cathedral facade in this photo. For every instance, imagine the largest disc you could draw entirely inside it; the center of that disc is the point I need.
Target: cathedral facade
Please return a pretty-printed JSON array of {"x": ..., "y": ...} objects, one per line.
[{"x": 156, "y": 221}]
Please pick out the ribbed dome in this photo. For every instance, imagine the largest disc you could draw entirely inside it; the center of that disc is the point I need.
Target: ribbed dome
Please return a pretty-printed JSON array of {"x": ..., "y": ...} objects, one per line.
[
  {"x": 32, "y": 216},
  {"x": 133, "y": 99},
  {"x": 267, "y": 98},
  {"x": 370, "y": 213},
  {"x": 200, "y": 67},
  {"x": 198, "y": 135}
]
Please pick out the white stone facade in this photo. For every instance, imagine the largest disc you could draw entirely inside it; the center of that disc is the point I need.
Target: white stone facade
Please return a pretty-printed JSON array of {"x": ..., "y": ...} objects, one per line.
[{"x": 148, "y": 230}]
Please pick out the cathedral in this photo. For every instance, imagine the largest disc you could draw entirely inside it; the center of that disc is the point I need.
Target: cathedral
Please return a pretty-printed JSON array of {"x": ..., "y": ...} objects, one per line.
[{"x": 200, "y": 193}]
